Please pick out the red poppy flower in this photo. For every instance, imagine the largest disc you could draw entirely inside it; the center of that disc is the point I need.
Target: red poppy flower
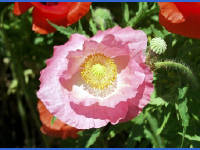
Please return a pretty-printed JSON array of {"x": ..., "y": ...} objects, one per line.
[
  {"x": 60, "y": 13},
  {"x": 58, "y": 128},
  {"x": 181, "y": 18}
]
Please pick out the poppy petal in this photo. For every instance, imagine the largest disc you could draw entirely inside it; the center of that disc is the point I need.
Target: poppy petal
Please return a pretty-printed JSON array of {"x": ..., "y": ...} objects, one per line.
[
  {"x": 189, "y": 26},
  {"x": 21, "y": 7},
  {"x": 57, "y": 9},
  {"x": 41, "y": 25},
  {"x": 58, "y": 128},
  {"x": 77, "y": 10},
  {"x": 171, "y": 12}
]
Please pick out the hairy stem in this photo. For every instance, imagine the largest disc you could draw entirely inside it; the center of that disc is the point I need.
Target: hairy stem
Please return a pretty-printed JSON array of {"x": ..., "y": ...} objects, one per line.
[{"x": 177, "y": 66}]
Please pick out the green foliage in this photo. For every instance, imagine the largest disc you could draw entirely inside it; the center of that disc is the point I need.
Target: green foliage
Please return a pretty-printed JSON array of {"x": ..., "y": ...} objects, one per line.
[
  {"x": 125, "y": 10},
  {"x": 93, "y": 138},
  {"x": 63, "y": 30},
  {"x": 171, "y": 119},
  {"x": 192, "y": 138}
]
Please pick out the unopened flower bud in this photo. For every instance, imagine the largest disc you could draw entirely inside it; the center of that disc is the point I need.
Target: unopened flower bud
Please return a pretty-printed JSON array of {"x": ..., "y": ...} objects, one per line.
[
  {"x": 158, "y": 45},
  {"x": 101, "y": 16}
]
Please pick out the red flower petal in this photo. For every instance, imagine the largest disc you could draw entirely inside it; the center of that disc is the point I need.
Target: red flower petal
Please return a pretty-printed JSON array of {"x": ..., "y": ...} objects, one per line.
[
  {"x": 40, "y": 24},
  {"x": 188, "y": 8},
  {"x": 21, "y": 7},
  {"x": 181, "y": 18},
  {"x": 171, "y": 12},
  {"x": 58, "y": 9},
  {"x": 58, "y": 129},
  {"x": 60, "y": 13},
  {"x": 77, "y": 10}
]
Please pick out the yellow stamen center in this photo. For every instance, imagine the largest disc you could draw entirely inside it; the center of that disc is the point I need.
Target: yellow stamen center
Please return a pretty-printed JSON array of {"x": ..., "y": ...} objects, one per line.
[{"x": 99, "y": 71}]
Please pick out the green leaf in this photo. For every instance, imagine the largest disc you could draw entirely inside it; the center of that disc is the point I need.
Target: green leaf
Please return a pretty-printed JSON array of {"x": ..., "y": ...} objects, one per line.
[
  {"x": 125, "y": 12},
  {"x": 53, "y": 119},
  {"x": 183, "y": 111},
  {"x": 38, "y": 40},
  {"x": 63, "y": 30},
  {"x": 166, "y": 118},
  {"x": 93, "y": 138},
  {"x": 140, "y": 14},
  {"x": 139, "y": 119},
  {"x": 13, "y": 86},
  {"x": 80, "y": 28},
  {"x": 27, "y": 74},
  {"x": 189, "y": 137},
  {"x": 158, "y": 102},
  {"x": 152, "y": 135},
  {"x": 93, "y": 27},
  {"x": 182, "y": 92}
]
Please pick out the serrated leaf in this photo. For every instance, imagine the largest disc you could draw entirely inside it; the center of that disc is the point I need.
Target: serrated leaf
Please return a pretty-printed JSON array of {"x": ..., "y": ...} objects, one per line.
[
  {"x": 93, "y": 27},
  {"x": 63, "y": 30},
  {"x": 53, "y": 119},
  {"x": 189, "y": 137},
  {"x": 93, "y": 138}
]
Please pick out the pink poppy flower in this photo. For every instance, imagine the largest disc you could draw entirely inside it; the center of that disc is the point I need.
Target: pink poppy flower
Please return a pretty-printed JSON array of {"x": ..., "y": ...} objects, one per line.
[{"x": 89, "y": 82}]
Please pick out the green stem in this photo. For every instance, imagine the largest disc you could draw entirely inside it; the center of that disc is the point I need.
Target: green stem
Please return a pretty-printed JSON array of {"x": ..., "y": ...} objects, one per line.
[
  {"x": 154, "y": 127},
  {"x": 142, "y": 13},
  {"x": 17, "y": 68},
  {"x": 178, "y": 66},
  {"x": 23, "y": 119},
  {"x": 183, "y": 137},
  {"x": 17, "y": 73}
]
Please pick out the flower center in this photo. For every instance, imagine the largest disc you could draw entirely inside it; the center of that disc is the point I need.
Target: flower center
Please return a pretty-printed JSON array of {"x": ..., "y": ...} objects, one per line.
[{"x": 99, "y": 71}]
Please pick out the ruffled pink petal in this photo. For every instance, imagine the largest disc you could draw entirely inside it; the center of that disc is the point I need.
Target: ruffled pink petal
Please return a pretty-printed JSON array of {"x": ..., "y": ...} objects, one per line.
[
  {"x": 109, "y": 114},
  {"x": 101, "y": 34},
  {"x": 136, "y": 104},
  {"x": 144, "y": 91},
  {"x": 58, "y": 63},
  {"x": 136, "y": 38}
]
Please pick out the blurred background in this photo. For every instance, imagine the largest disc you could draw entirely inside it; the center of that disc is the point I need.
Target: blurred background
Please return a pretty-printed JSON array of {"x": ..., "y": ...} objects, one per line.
[{"x": 172, "y": 119}]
